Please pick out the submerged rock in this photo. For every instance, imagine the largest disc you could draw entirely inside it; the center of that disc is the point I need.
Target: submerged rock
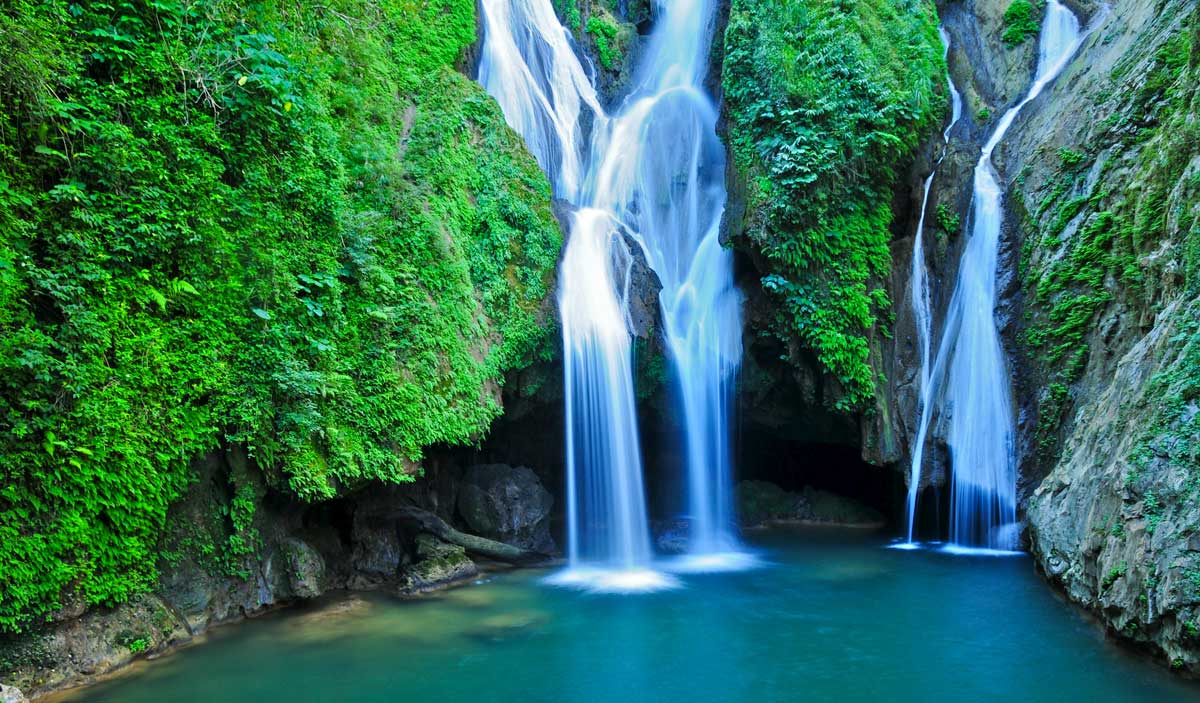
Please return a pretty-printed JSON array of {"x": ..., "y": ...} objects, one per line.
[
  {"x": 507, "y": 504},
  {"x": 504, "y": 626}
]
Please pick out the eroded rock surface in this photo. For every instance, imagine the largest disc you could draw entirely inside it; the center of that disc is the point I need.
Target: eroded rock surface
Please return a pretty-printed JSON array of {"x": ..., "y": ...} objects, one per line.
[{"x": 507, "y": 504}]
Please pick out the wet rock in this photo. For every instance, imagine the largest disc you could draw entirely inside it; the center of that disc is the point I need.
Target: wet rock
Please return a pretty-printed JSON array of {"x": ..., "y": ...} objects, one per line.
[
  {"x": 305, "y": 568},
  {"x": 99, "y": 642},
  {"x": 377, "y": 548},
  {"x": 762, "y": 503},
  {"x": 438, "y": 564},
  {"x": 507, "y": 504}
]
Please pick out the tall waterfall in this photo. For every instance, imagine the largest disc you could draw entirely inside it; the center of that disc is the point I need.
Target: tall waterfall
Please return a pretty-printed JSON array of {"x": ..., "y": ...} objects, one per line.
[
  {"x": 651, "y": 177},
  {"x": 660, "y": 170},
  {"x": 983, "y": 497},
  {"x": 922, "y": 309}
]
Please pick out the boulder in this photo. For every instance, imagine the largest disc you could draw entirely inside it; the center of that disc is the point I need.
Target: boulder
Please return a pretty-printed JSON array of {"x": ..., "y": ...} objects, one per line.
[
  {"x": 305, "y": 568},
  {"x": 508, "y": 505},
  {"x": 438, "y": 564},
  {"x": 377, "y": 548},
  {"x": 761, "y": 503},
  {"x": 8, "y": 694}
]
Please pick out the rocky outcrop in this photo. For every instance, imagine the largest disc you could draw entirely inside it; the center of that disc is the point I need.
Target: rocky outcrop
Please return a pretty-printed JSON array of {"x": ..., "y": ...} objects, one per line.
[
  {"x": 1104, "y": 181},
  {"x": 226, "y": 558},
  {"x": 437, "y": 565},
  {"x": 507, "y": 504},
  {"x": 761, "y": 503}
]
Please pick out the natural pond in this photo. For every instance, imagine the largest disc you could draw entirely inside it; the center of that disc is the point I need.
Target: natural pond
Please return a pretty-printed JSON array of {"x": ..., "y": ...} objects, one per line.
[{"x": 830, "y": 616}]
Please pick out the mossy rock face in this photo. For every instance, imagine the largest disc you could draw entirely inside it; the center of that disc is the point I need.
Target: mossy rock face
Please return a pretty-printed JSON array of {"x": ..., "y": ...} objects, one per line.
[
  {"x": 609, "y": 34},
  {"x": 825, "y": 103},
  {"x": 438, "y": 565},
  {"x": 305, "y": 568},
  {"x": 761, "y": 503},
  {"x": 99, "y": 642},
  {"x": 833, "y": 509},
  {"x": 350, "y": 250}
]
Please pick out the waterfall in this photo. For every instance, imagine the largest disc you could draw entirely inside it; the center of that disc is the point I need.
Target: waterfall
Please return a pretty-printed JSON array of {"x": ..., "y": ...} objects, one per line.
[
  {"x": 661, "y": 171},
  {"x": 528, "y": 65},
  {"x": 652, "y": 176},
  {"x": 977, "y": 398},
  {"x": 922, "y": 309}
]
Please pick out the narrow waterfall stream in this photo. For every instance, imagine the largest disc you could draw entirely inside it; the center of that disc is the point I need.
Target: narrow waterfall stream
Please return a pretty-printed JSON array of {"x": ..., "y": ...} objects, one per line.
[
  {"x": 977, "y": 394},
  {"x": 652, "y": 177},
  {"x": 922, "y": 309}
]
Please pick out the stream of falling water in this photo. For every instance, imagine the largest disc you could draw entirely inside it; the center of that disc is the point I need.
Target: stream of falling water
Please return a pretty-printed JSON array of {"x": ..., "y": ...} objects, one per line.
[
  {"x": 977, "y": 397},
  {"x": 922, "y": 308},
  {"x": 652, "y": 177}
]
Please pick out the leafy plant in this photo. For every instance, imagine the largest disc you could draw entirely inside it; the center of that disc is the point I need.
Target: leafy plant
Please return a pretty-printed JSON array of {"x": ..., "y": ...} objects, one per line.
[
  {"x": 604, "y": 33},
  {"x": 1022, "y": 20}
]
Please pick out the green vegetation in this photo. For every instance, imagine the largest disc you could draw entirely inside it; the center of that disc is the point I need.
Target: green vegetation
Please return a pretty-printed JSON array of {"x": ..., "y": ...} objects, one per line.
[
  {"x": 949, "y": 222},
  {"x": 1022, "y": 20},
  {"x": 568, "y": 12},
  {"x": 136, "y": 644},
  {"x": 293, "y": 227},
  {"x": 1113, "y": 574},
  {"x": 827, "y": 100},
  {"x": 602, "y": 28},
  {"x": 604, "y": 33}
]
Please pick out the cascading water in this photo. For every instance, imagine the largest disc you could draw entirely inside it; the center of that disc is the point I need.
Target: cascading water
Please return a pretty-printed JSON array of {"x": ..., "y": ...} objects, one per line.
[
  {"x": 661, "y": 171},
  {"x": 653, "y": 175},
  {"x": 529, "y": 66},
  {"x": 983, "y": 497},
  {"x": 922, "y": 310}
]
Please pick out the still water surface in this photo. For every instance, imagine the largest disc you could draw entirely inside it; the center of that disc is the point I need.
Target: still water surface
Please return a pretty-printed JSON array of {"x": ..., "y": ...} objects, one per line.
[{"x": 831, "y": 617}]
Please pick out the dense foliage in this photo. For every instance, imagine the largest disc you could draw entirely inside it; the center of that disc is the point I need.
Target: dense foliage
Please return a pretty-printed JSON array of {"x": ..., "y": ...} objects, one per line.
[
  {"x": 287, "y": 225},
  {"x": 1022, "y": 20},
  {"x": 827, "y": 100}
]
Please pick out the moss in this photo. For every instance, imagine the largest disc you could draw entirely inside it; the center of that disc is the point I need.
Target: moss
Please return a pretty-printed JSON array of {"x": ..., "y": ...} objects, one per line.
[
  {"x": 1113, "y": 574},
  {"x": 136, "y": 643},
  {"x": 948, "y": 221}
]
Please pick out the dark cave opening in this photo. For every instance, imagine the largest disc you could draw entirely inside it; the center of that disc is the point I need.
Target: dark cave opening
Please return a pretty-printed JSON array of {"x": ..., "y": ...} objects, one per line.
[{"x": 829, "y": 466}]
